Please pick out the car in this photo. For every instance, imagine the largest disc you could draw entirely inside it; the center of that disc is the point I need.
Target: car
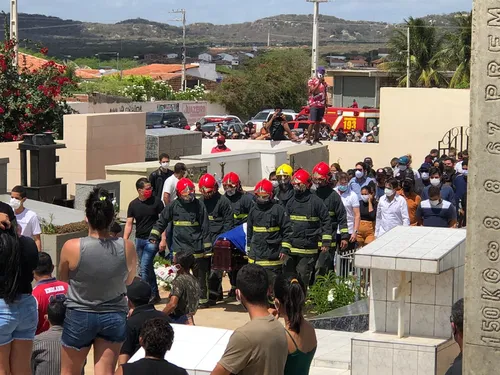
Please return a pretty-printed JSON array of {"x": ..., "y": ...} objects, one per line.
[
  {"x": 156, "y": 120},
  {"x": 263, "y": 116},
  {"x": 210, "y": 126},
  {"x": 217, "y": 119}
]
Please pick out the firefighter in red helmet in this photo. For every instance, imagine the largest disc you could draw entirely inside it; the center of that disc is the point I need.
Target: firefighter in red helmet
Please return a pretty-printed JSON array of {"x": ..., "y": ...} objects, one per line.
[
  {"x": 241, "y": 202},
  {"x": 190, "y": 232},
  {"x": 268, "y": 227},
  {"x": 311, "y": 226},
  {"x": 322, "y": 177},
  {"x": 220, "y": 219}
]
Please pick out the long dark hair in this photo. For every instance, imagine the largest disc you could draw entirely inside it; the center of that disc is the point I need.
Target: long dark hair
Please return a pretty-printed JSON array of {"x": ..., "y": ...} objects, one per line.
[
  {"x": 99, "y": 209},
  {"x": 10, "y": 256},
  {"x": 291, "y": 294}
]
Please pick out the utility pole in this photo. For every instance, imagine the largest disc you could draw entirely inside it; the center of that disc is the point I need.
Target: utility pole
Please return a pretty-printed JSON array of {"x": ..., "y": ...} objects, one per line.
[
  {"x": 183, "y": 51},
  {"x": 14, "y": 29},
  {"x": 269, "y": 36},
  {"x": 315, "y": 36},
  {"x": 408, "y": 58}
]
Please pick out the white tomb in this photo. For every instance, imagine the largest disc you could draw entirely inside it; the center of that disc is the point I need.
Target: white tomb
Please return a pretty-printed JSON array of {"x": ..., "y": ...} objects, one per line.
[{"x": 417, "y": 273}]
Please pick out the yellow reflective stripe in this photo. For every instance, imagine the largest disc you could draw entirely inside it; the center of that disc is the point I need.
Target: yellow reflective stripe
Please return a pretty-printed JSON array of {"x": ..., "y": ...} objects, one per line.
[
  {"x": 304, "y": 251},
  {"x": 266, "y": 263},
  {"x": 207, "y": 244},
  {"x": 155, "y": 232},
  {"x": 344, "y": 230},
  {"x": 288, "y": 245},
  {"x": 199, "y": 255},
  {"x": 266, "y": 230},
  {"x": 207, "y": 255},
  {"x": 210, "y": 217},
  {"x": 332, "y": 244},
  {"x": 303, "y": 218},
  {"x": 240, "y": 216},
  {"x": 186, "y": 223},
  {"x": 332, "y": 213},
  {"x": 326, "y": 237}
]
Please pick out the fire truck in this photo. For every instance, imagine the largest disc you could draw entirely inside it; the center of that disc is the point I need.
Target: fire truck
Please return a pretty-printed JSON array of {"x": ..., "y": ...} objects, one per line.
[{"x": 341, "y": 118}]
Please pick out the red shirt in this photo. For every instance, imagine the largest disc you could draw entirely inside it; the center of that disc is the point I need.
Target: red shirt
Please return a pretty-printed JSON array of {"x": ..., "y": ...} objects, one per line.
[
  {"x": 217, "y": 149},
  {"x": 318, "y": 99},
  {"x": 42, "y": 292}
]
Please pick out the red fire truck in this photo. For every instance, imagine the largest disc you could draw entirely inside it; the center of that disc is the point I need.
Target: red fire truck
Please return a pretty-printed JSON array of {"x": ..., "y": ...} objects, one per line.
[{"x": 341, "y": 118}]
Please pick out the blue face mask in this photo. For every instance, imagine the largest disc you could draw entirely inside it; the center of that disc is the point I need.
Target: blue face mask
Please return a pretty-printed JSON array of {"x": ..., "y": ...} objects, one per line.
[
  {"x": 342, "y": 188},
  {"x": 465, "y": 172}
]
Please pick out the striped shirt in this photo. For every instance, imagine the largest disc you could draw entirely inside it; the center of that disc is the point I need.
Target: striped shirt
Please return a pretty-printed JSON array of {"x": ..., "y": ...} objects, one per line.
[
  {"x": 439, "y": 216},
  {"x": 46, "y": 355}
]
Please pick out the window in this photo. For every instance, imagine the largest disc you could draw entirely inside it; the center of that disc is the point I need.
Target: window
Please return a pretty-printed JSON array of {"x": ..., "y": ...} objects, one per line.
[{"x": 262, "y": 116}]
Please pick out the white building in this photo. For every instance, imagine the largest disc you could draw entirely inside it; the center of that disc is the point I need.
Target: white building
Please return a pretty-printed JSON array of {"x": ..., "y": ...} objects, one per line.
[{"x": 205, "y": 57}]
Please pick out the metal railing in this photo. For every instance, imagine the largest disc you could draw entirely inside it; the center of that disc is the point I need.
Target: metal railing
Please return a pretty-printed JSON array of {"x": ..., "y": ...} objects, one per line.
[
  {"x": 457, "y": 138},
  {"x": 344, "y": 267}
]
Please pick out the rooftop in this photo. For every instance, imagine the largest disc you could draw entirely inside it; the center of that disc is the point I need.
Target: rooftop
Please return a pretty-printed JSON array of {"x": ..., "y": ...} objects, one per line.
[{"x": 157, "y": 70}]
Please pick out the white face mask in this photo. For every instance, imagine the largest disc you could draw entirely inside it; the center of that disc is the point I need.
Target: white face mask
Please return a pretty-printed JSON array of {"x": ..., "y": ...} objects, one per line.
[
  {"x": 275, "y": 183},
  {"x": 365, "y": 198},
  {"x": 389, "y": 192},
  {"x": 434, "y": 203},
  {"x": 465, "y": 172},
  {"x": 402, "y": 168},
  {"x": 425, "y": 175},
  {"x": 165, "y": 165},
  {"x": 15, "y": 203},
  {"x": 435, "y": 181},
  {"x": 359, "y": 174}
]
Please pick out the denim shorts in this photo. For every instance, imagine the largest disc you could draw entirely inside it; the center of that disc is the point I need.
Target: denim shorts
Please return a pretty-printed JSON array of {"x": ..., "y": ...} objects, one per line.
[
  {"x": 18, "y": 320},
  {"x": 81, "y": 328}
]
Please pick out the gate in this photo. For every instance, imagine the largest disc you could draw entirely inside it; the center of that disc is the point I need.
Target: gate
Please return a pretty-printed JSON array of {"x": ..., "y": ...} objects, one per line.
[{"x": 457, "y": 138}]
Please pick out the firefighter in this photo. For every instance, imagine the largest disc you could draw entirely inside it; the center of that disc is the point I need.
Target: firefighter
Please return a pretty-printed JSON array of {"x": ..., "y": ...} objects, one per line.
[
  {"x": 267, "y": 227},
  {"x": 322, "y": 178},
  {"x": 285, "y": 192},
  {"x": 311, "y": 226},
  {"x": 220, "y": 219},
  {"x": 242, "y": 203},
  {"x": 190, "y": 231}
]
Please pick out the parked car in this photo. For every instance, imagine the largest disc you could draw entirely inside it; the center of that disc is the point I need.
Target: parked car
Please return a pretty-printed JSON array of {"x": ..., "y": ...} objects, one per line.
[
  {"x": 263, "y": 116},
  {"x": 210, "y": 126},
  {"x": 156, "y": 120},
  {"x": 217, "y": 119}
]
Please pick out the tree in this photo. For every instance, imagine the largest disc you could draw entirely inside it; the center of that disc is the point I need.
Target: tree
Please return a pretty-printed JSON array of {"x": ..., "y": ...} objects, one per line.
[
  {"x": 456, "y": 54},
  {"x": 275, "y": 78},
  {"x": 424, "y": 47},
  {"x": 31, "y": 101}
]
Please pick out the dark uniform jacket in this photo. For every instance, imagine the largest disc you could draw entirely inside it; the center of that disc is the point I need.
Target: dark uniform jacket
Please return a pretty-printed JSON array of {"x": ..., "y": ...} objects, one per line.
[
  {"x": 283, "y": 196},
  {"x": 242, "y": 203},
  {"x": 267, "y": 227},
  {"x": 311, "y": 225},
  {"x": 157, "y": 179},
  {"x": 220, "y": 215},
  {"x": 336, "y": 210},
  {"x": 190, "y": 229}
]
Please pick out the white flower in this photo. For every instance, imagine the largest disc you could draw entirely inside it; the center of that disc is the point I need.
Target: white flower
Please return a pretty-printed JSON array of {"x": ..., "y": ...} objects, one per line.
[{"x": 330, "y": 296}]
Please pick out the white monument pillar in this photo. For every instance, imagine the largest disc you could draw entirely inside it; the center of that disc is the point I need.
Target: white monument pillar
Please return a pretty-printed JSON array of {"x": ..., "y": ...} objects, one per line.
[{"x": 482, "y": 265}]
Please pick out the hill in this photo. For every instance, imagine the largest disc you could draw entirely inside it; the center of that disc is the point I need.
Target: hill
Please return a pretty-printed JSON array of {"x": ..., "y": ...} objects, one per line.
[{"x": 139, "y": 36}]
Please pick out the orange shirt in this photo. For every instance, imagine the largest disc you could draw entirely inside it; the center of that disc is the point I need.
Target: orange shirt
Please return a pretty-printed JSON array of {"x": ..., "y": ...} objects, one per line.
[{"x": 412, "y": 200}]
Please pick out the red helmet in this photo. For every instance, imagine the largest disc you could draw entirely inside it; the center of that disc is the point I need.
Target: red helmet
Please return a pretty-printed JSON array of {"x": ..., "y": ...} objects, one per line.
[
  {"x": 321, "y": 173},
  {"x": 264, "y": 190},
  {"x": 208, "y": 184},
  {"x": 231, "y": 179},
  {"x": 302, "y": 178},
  {"x": 185, "y": 189}
]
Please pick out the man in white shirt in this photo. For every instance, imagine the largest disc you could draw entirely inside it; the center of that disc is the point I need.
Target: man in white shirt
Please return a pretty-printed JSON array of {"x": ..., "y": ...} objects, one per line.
[
  {"x": 26, "y": 219},
  {"x": 170, "y": 184},
  {"x": 392, "y": 209},
  {"x": 351, "y": 204}
]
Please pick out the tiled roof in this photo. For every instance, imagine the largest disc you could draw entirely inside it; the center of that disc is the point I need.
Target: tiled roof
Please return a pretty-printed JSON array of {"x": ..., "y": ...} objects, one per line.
[
  {"x": 30, "y": 62},
  {"x": 156, "y": 70},
  {"x": 87, "y": 73}
]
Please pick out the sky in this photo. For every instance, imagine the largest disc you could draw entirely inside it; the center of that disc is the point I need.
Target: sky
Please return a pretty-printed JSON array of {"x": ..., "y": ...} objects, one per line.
[{"x": 233, "y": 11}]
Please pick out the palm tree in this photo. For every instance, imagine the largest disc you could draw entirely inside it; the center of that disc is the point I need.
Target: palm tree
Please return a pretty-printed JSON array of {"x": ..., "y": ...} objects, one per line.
[
  {"x": 456, "y": 54},
  {"x": 424, "y": 46}
]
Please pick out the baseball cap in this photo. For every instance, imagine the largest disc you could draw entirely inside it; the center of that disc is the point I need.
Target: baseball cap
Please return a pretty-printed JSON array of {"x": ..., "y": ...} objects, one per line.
[
  {"x": 139, "y": 292},
  {"x": 404, "y": 160},
  {"x": 321, "y": 70},
  {"x": 221, "y": 138}
]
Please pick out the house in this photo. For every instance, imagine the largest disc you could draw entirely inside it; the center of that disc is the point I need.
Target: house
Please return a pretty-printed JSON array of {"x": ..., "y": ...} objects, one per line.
[
  {"x": 31, "y": 62},
  {"x": 206, "y": 71},
  {"x": 205, "y": 57},
  {"x": 360, "y": 63},
  {"x": 157, "y": 71},
  {"x": 226, "y": 57},
  {"x": 172, "y": 55},
  {"x": 337, "y": 63}
]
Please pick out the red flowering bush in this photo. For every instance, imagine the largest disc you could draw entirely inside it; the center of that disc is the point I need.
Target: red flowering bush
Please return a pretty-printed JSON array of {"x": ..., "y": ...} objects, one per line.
[{"x": 31, "y": 101}]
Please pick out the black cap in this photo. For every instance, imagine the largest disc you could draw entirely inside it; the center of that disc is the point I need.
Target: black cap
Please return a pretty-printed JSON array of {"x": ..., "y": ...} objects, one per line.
[{"x": 139, "y": 292}]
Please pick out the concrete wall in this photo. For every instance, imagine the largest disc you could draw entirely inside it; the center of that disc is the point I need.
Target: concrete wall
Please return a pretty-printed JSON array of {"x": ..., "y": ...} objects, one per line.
[
  {"x": 412, "y": 121},
  {"x": 92, "y": 141},
  {"x": 175, "y": 142},
  {"x": 363, "y": 89}
]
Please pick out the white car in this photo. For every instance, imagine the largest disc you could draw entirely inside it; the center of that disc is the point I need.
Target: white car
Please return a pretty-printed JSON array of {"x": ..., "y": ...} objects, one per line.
[{"x": 263, "y": 116}]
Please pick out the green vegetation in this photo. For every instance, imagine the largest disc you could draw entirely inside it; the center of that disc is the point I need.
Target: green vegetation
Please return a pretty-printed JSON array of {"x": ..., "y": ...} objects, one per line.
[
  {"x": 95, "y": 63},
  {"x": 274, "y": 78}
]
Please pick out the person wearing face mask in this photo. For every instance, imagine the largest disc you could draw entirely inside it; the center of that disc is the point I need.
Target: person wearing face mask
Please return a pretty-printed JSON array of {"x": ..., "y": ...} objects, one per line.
[
  {"x": 424, "y": 174},
  {"x": 360, "y": 179},
  {"x": 311, "y": 227},
  {"x": 412, "y": 199},
  {"x": 392, "y": 210},
  {"x": 338, "y": 216},
  {"x": 369, "y": 167},
  {"x": 221, "y": 145},
  {"x": 284, "y": 176},
  {"x": 220, "y": 218},
  {"x": 168, "y": 192},
  {"x": 27, "y": 220},
  {"x": 241, "y": 203},
  {"x": 461, "y": 193},
  {"x": 404, "y": 171},
  {"x": 436, "y": 212},
  {"x": 380, "y": 178},
  {"x": 368, "y": 213},
  {"x": 190, "y": 232},
  {"x": 157, "y": 178},
  {"x": 274, "y": 180},
  {"x": 436, "y": 178},
  {"x": 268, "y": 227}
]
